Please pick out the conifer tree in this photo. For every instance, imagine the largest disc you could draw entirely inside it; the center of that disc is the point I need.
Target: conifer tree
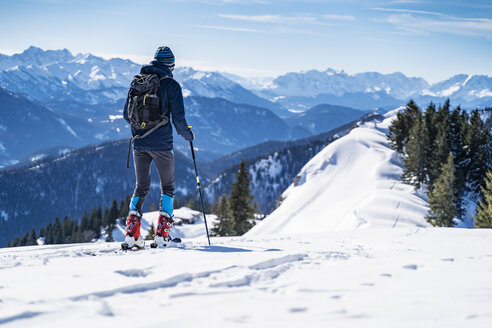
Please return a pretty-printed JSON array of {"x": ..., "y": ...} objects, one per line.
[
  {"x": 226, "y": 224},
  {"x": 176, "y": 202},
  {"x": 85, "y": 222},
  {"x": 151, "y": 232},
  {"x": 442, "y": 146},
  {"x": 396, "y": 133},
  {"x": 215, "y": 204},
  {"x": 96, "y": 221},
  {"x": 241, "y": 201},
  {"x": 415, "y": 155},
  {"x": 430, "y": 133},
  {"x": 483, "y": 218},
  {"x": 32, "y": 240},
  {"x": 58, "y": 237},
  {"x": 441, "y": 197},
  {"x": 42, "y": 232},
  {"x": 458, "y": 121},
  {"x": 399, "y": 130},
  {"x": 478, "y": 152}
]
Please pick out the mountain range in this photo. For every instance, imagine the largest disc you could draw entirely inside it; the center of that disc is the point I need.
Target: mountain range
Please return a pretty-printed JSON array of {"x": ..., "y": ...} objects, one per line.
[
  {"x": 370, "y": 90},
  {"x": 228, "y": 112}
]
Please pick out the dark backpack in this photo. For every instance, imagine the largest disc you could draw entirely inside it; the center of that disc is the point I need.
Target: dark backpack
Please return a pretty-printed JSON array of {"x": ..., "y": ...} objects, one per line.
[{"x": 144, "y": 105}]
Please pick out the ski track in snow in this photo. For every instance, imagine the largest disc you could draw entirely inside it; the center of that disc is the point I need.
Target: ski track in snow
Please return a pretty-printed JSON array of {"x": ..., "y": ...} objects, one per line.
[{"x": 412, "y": 277}]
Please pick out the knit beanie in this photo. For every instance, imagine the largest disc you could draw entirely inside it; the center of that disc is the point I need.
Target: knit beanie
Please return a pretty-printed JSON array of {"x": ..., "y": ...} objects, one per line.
[{"x": 165, "y": 56}]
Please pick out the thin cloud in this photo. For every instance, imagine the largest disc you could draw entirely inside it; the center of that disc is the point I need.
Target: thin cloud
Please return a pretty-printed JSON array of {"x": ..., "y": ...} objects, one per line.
[
  {"x": 339, "y": 17},
  {"x": 229, "y": 28},
  {"x": 407, "y": 1},
  {"x": 269, "y": 18},
  {"x": 408, "y": 11},
  {"x": 418, "y": 24}
]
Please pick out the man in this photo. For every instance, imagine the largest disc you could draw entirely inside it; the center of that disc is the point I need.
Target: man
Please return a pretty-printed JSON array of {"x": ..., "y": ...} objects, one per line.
[{"x": 157, "y": 147}]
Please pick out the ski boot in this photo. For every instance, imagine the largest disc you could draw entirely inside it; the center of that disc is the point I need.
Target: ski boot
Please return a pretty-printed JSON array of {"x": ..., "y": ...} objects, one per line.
[
  {"x": 132, "y": 237},
  {"x": 164, "y": 226}
]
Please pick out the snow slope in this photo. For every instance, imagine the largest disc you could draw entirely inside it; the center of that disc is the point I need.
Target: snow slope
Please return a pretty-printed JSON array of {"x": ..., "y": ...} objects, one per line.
[
  {"x": 353, "y": 183},
  {"x": 410, "y": 277}
]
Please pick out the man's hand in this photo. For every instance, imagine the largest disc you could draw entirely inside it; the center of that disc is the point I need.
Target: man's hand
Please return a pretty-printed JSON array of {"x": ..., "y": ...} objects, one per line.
[{"x": 189, "y": 135}]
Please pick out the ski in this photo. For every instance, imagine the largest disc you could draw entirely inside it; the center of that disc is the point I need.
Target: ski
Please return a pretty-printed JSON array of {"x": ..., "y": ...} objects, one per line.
[
  {"x": 126, "y": 247},
  {"x": 173, "y": 240}
]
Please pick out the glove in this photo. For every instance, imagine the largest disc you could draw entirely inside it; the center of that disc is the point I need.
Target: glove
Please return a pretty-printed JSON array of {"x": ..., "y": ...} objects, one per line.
[{"x": 189, "y": 135}]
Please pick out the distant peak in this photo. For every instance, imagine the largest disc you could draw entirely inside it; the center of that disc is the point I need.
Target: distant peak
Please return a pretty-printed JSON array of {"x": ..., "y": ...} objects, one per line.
[{"x": 32, "y": 49}]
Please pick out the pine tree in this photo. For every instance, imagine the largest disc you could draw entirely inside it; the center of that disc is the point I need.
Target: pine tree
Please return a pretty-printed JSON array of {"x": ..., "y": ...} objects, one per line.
[
  {"x": 176, "y": 202},
  {"x": 151, "y": 232},
  {"x": 31, "y": 239},
  {"x": 215, "y": 204},
  {"x": 396, "y": 133},
  {"x": 430, "y": 134},
  {"x": 226, "y": 224},
  {"x": 85, "y": 222},
  {"x": 241, "y": 201},
  {"x": 415, "y": 155},
  {"x": 399, "y": 130},
  {"x": 458, "y": 121},
  {"x": 442, "y": 146},
  {"x": 193, "y": 204},
  {"x": 96, "y": 221},
  {"x": 58, "y": 237},
  {"x": 483, "y": 218},
  {"x": 441, "y": 197},
  {"x": 478, "y": 152}
]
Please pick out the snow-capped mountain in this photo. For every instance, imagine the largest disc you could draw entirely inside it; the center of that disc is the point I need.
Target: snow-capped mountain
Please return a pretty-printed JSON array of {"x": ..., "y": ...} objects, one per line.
[
  {"x": 353, "y": 183},
  {"x": 216, "y": 85},
  {"x": 370, "y": 90},
  {"x": 295, "y": 91},
  {"x": 57, "y": 75},
  {"x": 338, "y": 83},
  {"x": 468, "y": 90}
]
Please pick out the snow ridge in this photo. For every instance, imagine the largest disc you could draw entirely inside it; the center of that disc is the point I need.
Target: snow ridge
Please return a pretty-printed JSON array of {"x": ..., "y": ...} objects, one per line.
[{"x": 352, "y": 183}]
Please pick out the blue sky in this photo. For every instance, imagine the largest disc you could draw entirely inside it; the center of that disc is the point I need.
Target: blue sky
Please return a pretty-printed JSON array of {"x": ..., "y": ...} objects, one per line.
[{"x": 432, "y": 39}]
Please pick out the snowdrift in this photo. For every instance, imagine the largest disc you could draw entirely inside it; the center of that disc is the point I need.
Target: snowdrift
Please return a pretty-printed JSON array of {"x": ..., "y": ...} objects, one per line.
[{"x": 353, "y": 183}]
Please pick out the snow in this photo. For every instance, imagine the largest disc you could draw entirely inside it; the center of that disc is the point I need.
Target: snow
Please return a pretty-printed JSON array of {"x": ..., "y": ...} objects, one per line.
[
  {"x": 480, "y": 94},
  {"x": 448, "y": 92},
  {"x": 68, "y": 128},
  {"x": 353, "y": 183},
  {"x": 409, "y": 277}
]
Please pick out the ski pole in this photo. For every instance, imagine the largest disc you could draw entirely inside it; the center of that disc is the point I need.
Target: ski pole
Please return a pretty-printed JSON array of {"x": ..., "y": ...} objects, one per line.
[{"x": 199, "y": 190}]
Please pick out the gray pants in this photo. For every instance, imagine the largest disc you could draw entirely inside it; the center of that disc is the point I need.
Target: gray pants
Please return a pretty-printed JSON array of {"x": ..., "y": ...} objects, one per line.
[{"x": 164, "y": 163}]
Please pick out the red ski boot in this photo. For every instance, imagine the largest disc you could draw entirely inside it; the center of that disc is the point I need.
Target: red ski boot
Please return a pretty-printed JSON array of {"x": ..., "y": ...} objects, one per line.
[
  {"x": 164, "y": 226},
  {"x": 132, "y": 237}
]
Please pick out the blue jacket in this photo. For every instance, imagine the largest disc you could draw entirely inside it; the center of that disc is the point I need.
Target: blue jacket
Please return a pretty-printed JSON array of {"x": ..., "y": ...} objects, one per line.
[{"x": 172, "y": 100}]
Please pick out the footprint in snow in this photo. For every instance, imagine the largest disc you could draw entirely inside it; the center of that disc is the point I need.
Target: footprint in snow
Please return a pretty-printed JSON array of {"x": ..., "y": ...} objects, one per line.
[
  {"x": 132, "y": 273},
  {"x": 388, "y": 275},
  {"x": 448, "y": 259},
  {"x": 410, "y": 267},
  {"x": 298, "y": 309}
]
